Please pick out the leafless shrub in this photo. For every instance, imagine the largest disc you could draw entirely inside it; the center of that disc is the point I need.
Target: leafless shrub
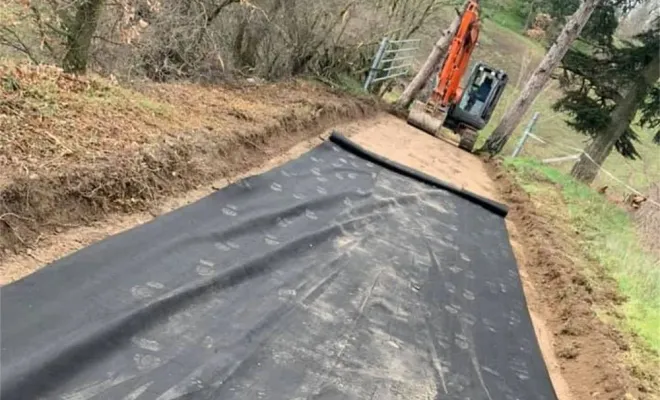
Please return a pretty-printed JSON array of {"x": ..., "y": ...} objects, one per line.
[
  {"x": 214, "y": 39},
  {"x": 32, "y": 31},
  {"x": 536, "y": 34}
]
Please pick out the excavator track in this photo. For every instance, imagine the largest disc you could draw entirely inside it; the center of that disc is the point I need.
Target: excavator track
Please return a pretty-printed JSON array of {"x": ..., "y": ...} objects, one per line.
[
  {"x": 464, "y": 110},
  {"x": 468, "y": 139}
]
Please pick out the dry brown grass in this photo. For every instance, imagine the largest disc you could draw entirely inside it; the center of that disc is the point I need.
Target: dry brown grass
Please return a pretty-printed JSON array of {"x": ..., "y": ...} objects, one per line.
[{"x": 73, "y": 149}]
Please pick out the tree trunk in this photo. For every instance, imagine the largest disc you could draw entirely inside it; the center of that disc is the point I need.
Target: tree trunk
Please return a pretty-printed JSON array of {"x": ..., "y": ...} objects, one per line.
[
  {"x": 587, "y": 167},
  {"x": 249, "y": 36},
  {"x": 245, "y": 46},
  {"x": 211, "y": 17},
  {"x": 540, "y": 77},
  {"x": 80, "y": 34},
  {"x": 430, "y": 65}
]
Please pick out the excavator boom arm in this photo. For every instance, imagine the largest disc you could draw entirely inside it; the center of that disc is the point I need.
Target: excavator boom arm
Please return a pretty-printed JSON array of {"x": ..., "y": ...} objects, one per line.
[
  {"x": 456, "y": 63},
  {"x": 465, "y": 112}
]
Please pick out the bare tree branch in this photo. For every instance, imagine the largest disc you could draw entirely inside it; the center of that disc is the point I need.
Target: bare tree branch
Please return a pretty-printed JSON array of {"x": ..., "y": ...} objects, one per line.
[{"x": 17, "y": 43}]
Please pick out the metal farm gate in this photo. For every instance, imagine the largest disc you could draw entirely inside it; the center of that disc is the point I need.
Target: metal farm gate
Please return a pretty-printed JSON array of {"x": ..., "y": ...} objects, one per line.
[{"x": 393, "y": 59}]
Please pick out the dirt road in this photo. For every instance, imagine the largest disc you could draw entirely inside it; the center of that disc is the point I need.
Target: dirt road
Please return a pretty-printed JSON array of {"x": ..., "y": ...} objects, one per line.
[
  {"x": 383, "y": 134},
  {"x": 396, "y": 140}
]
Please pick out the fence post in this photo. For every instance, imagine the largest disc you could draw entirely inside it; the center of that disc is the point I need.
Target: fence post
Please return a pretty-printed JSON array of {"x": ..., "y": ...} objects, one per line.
[
  {"x": 374, "y": 66},
  {"x": 525, "y": 136}
]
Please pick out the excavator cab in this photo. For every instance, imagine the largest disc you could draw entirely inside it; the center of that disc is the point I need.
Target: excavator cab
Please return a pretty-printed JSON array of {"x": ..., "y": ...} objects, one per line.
[
  {"x": 479, "y": 98},
  {"x": 463, "y": 110}
]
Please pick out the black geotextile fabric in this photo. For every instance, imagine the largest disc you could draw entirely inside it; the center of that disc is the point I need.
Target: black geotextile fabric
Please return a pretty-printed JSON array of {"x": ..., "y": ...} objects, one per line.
[{"x": 334, "y": 276}]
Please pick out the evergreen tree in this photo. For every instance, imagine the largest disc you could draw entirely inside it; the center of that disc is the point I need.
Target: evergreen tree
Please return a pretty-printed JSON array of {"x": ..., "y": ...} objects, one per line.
[
  {"x": 607, "y": 84},
  {"x": 514, "y": 113}
]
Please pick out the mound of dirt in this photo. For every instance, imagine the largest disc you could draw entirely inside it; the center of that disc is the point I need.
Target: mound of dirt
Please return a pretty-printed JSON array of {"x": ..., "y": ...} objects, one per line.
[
  {"x": 74, "y": 149},
  {"x": 589, "y": 352}
]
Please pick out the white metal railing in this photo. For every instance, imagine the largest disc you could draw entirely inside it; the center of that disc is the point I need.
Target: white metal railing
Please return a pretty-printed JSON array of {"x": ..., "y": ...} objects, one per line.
[{"x": 393, "y": 59}]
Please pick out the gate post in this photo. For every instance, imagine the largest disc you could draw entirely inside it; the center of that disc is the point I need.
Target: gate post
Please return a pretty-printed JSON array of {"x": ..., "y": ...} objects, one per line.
[
  {"x": 374, "y": 66},
  {"x": 525, "y": 135}
]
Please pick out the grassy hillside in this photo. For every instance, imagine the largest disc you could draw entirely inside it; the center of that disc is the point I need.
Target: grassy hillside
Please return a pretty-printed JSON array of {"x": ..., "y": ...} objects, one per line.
[
  {"x": 507, "y": 48},
  {"x": 502, "y": 45},
  {"x": 608, "y": 236}
]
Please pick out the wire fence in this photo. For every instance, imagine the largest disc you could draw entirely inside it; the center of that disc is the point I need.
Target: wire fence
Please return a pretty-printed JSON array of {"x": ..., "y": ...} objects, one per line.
[
  {"x": 549, "y": 143},
  {"x": 393, "y": 59},
  {"x": 565, "y": 153}
]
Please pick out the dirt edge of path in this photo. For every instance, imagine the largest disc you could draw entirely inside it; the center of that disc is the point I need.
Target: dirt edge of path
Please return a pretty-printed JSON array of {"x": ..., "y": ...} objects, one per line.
[
  {"x": 62, "y": 242},
  {"x": 584, "y": 355},
  {"x": 35, "y": 207}
]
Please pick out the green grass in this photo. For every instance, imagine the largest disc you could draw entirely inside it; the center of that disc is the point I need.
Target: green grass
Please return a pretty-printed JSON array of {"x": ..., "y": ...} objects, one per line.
[
  {"x": 609, "y": 238},
  {"x": 350, "y": 84},
  {"x": 562, "y": 140},
  {"x": 14, "y": 17},
  {"x": 344, "y": 82},
  {"x": 506, "y": 48},
  {"x": 156, "y": 108},
  {"x": 518, "y": 55},
  {"x": 504, "y": 13},
  {"x": 504, "y": 18}
]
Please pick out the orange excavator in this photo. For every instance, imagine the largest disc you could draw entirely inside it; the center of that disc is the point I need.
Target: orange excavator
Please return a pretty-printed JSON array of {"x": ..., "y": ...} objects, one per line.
[{"x": 464, "y": 111}]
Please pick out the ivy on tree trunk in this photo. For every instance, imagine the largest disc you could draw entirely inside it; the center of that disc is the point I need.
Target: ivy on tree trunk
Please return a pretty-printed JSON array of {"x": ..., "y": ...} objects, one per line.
[{"x": 80, "y": 33}]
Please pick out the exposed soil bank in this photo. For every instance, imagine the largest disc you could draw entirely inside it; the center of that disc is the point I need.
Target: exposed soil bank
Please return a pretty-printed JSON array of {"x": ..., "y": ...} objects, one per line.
[
  {"x": 588, "y": 353},
  {"x": 75, "y": 150}
]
